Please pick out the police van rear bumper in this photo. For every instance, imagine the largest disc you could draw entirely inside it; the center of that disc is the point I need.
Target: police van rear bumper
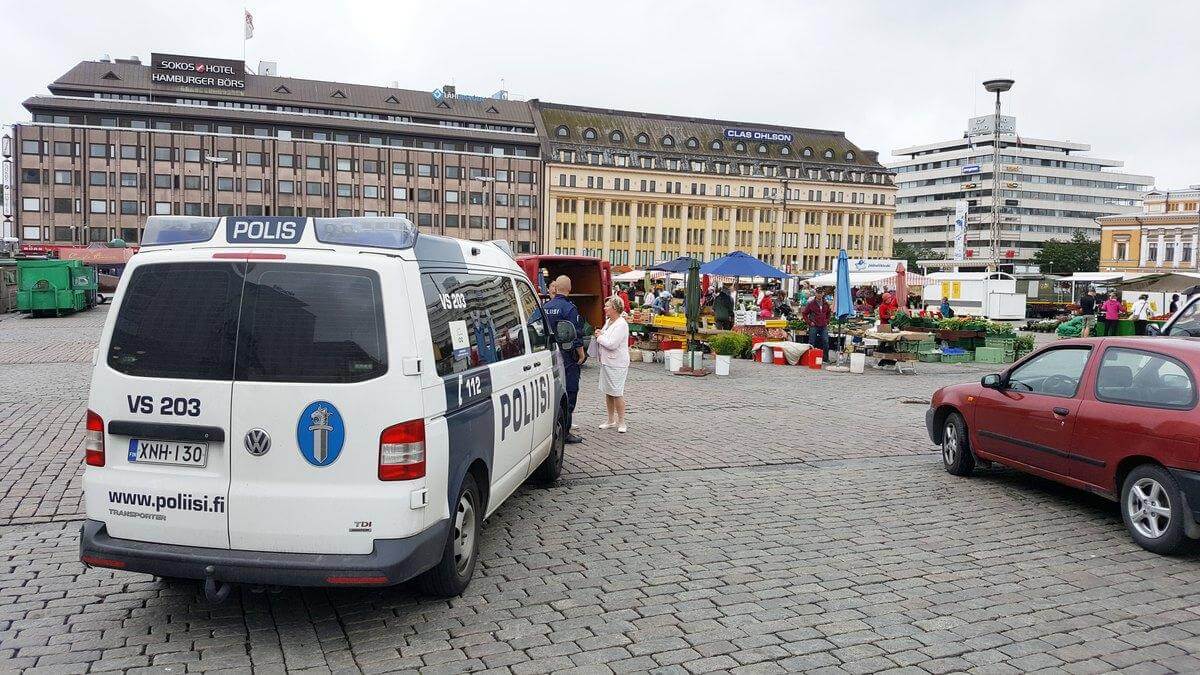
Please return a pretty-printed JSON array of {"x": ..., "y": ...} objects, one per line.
[{"x": 391, "y": 562}]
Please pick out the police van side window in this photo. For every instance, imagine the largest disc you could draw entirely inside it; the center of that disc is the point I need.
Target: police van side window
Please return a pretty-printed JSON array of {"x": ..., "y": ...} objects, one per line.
[
  {"x": 178, "y": 320},
  {"x": 473, "y": 320},
  {"x": 535, "y": 321},
  {"x": 311, "y": 323}
]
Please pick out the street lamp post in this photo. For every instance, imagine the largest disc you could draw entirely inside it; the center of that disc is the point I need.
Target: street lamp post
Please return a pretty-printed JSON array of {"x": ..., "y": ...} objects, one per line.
[
  {"x": 489, "y": 182},
  {"x": 996, "y": 86},
  {"x": 213, "y": 161},
  {"x": 783, "y": 202}
]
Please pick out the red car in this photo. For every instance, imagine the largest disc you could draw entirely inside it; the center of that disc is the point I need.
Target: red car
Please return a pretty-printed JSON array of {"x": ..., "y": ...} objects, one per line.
[{"x": 1115, "y": 416}]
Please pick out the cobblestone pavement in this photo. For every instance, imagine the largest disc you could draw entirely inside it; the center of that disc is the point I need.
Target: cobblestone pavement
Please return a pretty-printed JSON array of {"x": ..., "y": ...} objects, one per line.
[{"x": 780, "y": 520}]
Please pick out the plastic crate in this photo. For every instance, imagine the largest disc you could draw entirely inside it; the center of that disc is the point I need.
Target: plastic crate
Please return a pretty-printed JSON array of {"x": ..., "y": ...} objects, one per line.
[
  {"x": 992, "y": 355},
  {"x": 1007, "y": 344},
  {"x": 956, "y": 358},
  {"x": 929, "y": 356}
]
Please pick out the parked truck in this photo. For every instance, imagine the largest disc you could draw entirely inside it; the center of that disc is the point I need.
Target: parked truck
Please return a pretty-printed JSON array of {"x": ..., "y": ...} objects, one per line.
[{"x": 591, "y": 280}]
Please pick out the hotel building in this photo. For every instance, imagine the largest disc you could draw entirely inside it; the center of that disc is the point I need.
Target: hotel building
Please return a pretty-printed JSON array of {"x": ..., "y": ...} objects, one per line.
[
  {"x": 636, "y": 188},
  {"x": 116, "y": 141}
]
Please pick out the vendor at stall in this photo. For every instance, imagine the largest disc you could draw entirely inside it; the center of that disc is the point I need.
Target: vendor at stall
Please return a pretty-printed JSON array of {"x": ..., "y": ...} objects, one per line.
[
  {"x": 816, "y": 314},
  {"x": 888, "y": 306}
]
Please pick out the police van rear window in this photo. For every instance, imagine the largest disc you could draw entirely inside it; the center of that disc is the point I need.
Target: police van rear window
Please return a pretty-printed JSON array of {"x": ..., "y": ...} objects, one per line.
[
  {"x": 311, "y": 323},
  {"x": 297, "y": 323},
  {"x": 178, "y": 321}
]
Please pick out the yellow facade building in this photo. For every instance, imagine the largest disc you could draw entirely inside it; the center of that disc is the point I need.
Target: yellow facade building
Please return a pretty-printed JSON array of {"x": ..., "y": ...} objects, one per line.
[
  {"x": 636, "y": 188},
  {"x": 1163, "y": 238}
]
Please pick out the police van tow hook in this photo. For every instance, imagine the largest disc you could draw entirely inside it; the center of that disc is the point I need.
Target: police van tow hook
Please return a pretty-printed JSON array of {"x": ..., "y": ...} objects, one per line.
[{"x": 215, "y": 591}]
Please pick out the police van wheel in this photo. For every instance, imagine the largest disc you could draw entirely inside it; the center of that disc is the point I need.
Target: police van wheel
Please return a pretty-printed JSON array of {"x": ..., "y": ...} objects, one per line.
[
  {"x": 551, "y": 467},
  {"x": 452, "y": 574}
]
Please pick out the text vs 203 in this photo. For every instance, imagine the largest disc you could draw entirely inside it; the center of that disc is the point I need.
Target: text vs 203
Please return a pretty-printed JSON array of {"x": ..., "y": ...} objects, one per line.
[{"x": 167, "y": 405}]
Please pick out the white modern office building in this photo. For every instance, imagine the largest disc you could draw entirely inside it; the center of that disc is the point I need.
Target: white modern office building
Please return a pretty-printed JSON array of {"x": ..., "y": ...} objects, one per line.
[{"x": 1048, "y": 190}]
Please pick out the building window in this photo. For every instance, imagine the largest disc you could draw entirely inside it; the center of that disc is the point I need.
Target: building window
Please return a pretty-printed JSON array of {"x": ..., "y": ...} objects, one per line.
[
  {"x": 828, "y": 154},
  {"x": 807, "y": 152},
  {"x": 344, "y": 190},
  {"x": 225, "y": 184},
  {"x": 191, "y": 154},
  {"x": 162, "y": 181},
  {"x": 589, "y": 134},
  {"x": 400, "y": 193},
  {"x": 399, "y": 169},
  {"x": 63, "y": 205},
  {"x": 129, "y": 208},
  {"x": 314, "y": 188},
  {"x": 191, "y": 208},
  {"x": 95, "y": 178},
  {"x": 693, "y": 143},
  {"x": 561, "y": 131},
  {"x": 642, "y": 139},
  {"x": 162, "y": 153},
  {"x": 286, "y": 161},
  {"x": 524, "y": 223},
  {"x": 616, "y": 136},
  {"x": 31, "y": 204},
  {"x": 254, "y": 185},
  {"x": 35, "y": 148},
  {"x": 370, "y": 192},
  {"x": 129, "y": 152},
  {"x": 191, "y": 182},
  {"x": 224, "y": 209},
  {"x": 715, "y": 145},
  {"x": 254, "y": 159},
  {"x": 424, "y": 195},
  {"x": 345, "y": 164},
  {"x": 785, "y": 151},
  {"x": 501, "y": 223},
  {"x": 427, "y": 171},
  {"x": 453, "y": 173},
  {"x": 451, "y": 196},
  {"x": 667, "y": 141},
  {"x": 62, "y": 177},
  {"x": 287, "y": 187},
  {"x": 314, "y": 162},
  {"x": 162, "y": 208}
]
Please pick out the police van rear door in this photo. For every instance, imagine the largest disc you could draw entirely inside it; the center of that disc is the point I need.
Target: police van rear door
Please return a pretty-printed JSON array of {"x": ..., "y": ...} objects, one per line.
[
  {"x": 318, "y": 380},
  {"x": 162, "y": 389}
]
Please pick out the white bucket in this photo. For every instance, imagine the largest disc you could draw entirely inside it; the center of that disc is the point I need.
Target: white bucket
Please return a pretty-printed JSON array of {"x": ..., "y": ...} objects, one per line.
[
  {"x": 768, "y": 354},
  {"x": 723, "y": 361},
  {"x": 858, "y": 362},
  {"x": 673, "y": 358},
  {"x": 647, "y": 356}
]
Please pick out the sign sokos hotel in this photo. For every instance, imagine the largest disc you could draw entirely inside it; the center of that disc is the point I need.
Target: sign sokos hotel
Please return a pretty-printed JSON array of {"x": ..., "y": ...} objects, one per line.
[{"x": 195, "y": 71}]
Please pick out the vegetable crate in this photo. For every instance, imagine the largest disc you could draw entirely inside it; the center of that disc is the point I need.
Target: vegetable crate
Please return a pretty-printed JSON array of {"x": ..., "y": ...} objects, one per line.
[
  {"x": 929, "y": 356},
  {"x": 956, "y": 358},
  {"x": 993, "y": 355},
  {"x": 1007, "y": 344}
]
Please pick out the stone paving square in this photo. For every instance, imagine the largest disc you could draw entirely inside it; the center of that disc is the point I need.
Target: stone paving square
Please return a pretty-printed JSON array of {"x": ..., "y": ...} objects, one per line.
[{"x": 782, "y": 520}]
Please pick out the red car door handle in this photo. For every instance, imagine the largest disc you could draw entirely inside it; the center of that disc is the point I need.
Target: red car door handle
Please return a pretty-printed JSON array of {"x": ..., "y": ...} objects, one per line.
[{"x": 1062, "y": 411}]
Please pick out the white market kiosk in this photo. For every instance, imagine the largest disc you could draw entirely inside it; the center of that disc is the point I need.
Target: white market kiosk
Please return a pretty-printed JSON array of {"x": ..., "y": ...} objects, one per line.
[{"x": 990, "y": 294}]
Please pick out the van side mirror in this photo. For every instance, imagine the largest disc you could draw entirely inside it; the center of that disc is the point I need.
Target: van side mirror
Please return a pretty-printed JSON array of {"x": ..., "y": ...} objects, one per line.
[
  {"x": 992, "y": 381},
  {"x": 565, "y": 334}
]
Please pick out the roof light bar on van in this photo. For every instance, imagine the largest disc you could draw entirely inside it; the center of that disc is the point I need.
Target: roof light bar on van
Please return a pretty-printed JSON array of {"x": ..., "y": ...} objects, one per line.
[
  {"x": 372, "y": 232},
  {"x": 402, "y": 451},
  {"x": 93, "y": 444},
  {"x": 165, "y": 230}
]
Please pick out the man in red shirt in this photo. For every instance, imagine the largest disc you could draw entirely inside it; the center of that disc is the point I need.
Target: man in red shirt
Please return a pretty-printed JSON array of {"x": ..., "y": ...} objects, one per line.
[{"x": 816, "y": 314}]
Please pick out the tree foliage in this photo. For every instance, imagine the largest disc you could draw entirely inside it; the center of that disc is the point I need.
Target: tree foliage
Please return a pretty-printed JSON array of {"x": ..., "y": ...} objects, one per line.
[
  {"x": 1080, "y": 254},
  {"x": 902, "y": 250}
]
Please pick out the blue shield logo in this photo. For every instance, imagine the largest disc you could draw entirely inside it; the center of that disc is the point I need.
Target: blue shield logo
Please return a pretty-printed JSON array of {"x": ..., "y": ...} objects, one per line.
[
  {"x": 320, "y": 433},
  {"x": 438, "y": 95}
]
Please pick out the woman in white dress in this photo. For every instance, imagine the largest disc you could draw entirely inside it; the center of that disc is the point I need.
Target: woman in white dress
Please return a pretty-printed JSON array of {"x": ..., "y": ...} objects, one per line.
[{"x": 613, "y": 343}]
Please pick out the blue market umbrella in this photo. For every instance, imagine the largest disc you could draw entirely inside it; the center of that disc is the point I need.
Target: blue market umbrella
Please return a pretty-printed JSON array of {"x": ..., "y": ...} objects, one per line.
[
  {"x": 738, "y": 264},
  {"x": 843, "y": 303},
  {"x": 679, "y": 265}
]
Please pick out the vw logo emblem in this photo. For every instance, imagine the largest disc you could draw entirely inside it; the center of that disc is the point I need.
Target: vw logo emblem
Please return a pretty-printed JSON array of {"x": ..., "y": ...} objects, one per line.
[{"x": 257, "y": 442}]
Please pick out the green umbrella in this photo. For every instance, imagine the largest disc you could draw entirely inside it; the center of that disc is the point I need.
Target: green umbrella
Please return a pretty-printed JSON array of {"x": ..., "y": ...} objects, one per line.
[{"x": 692, "y": 302}]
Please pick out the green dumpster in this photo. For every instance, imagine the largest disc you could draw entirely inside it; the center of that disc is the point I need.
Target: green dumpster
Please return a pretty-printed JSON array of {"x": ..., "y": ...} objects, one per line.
[{"x": 55, "y": 286}]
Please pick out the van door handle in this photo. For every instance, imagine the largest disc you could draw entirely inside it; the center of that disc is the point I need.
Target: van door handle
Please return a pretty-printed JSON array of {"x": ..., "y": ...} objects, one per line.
[
  {"x": 1062, "y": 412},
  {"x": 528, "y": 367}
]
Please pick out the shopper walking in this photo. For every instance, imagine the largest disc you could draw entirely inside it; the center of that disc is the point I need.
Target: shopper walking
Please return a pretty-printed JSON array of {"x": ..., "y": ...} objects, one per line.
[
  {"x": 1140, "y": 312},
  {"x": 1087, "y": 309},
  {"x": 1174, "y": 303},
  {"x": 1112, "y": 313},
  {"x": 816, "y": 314},
  {"x": 613, "y": 340},
  {"x": 559, "y": 308}
]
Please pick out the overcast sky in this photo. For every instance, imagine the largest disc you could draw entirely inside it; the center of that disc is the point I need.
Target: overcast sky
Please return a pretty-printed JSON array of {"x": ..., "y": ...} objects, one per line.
[{"x": 1121, "y": 76}]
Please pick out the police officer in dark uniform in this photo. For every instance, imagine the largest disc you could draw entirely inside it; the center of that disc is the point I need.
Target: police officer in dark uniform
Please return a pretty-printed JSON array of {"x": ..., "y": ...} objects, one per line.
[{"x": 559, "y": 308}]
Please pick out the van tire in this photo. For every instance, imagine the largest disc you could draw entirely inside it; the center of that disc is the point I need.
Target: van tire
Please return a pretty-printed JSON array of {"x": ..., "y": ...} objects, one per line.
[
  {"x": 550, "y": 469},
  {"x": 451, "y": 575}
]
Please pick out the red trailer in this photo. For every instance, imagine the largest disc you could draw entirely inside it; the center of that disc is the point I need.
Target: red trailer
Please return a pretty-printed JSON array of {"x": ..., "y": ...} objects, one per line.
[{"x": 591, "y": 280}]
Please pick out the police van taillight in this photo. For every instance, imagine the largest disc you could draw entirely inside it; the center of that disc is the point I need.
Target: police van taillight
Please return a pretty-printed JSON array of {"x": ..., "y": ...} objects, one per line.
[
  {"x": 93, "y": 444},
  {"x": 402, "y": 451}
]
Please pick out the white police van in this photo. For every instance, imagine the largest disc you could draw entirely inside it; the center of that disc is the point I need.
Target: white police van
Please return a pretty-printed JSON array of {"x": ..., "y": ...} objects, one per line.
[{"x": 315, "y": 402}]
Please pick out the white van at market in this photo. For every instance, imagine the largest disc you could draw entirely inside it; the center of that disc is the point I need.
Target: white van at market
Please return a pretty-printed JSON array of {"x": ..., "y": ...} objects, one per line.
[{"x": 315, "y": 402}]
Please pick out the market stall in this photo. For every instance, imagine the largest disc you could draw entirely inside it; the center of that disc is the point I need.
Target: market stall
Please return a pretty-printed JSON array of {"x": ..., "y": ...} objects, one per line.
[{"x": 990, "y": 294}]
